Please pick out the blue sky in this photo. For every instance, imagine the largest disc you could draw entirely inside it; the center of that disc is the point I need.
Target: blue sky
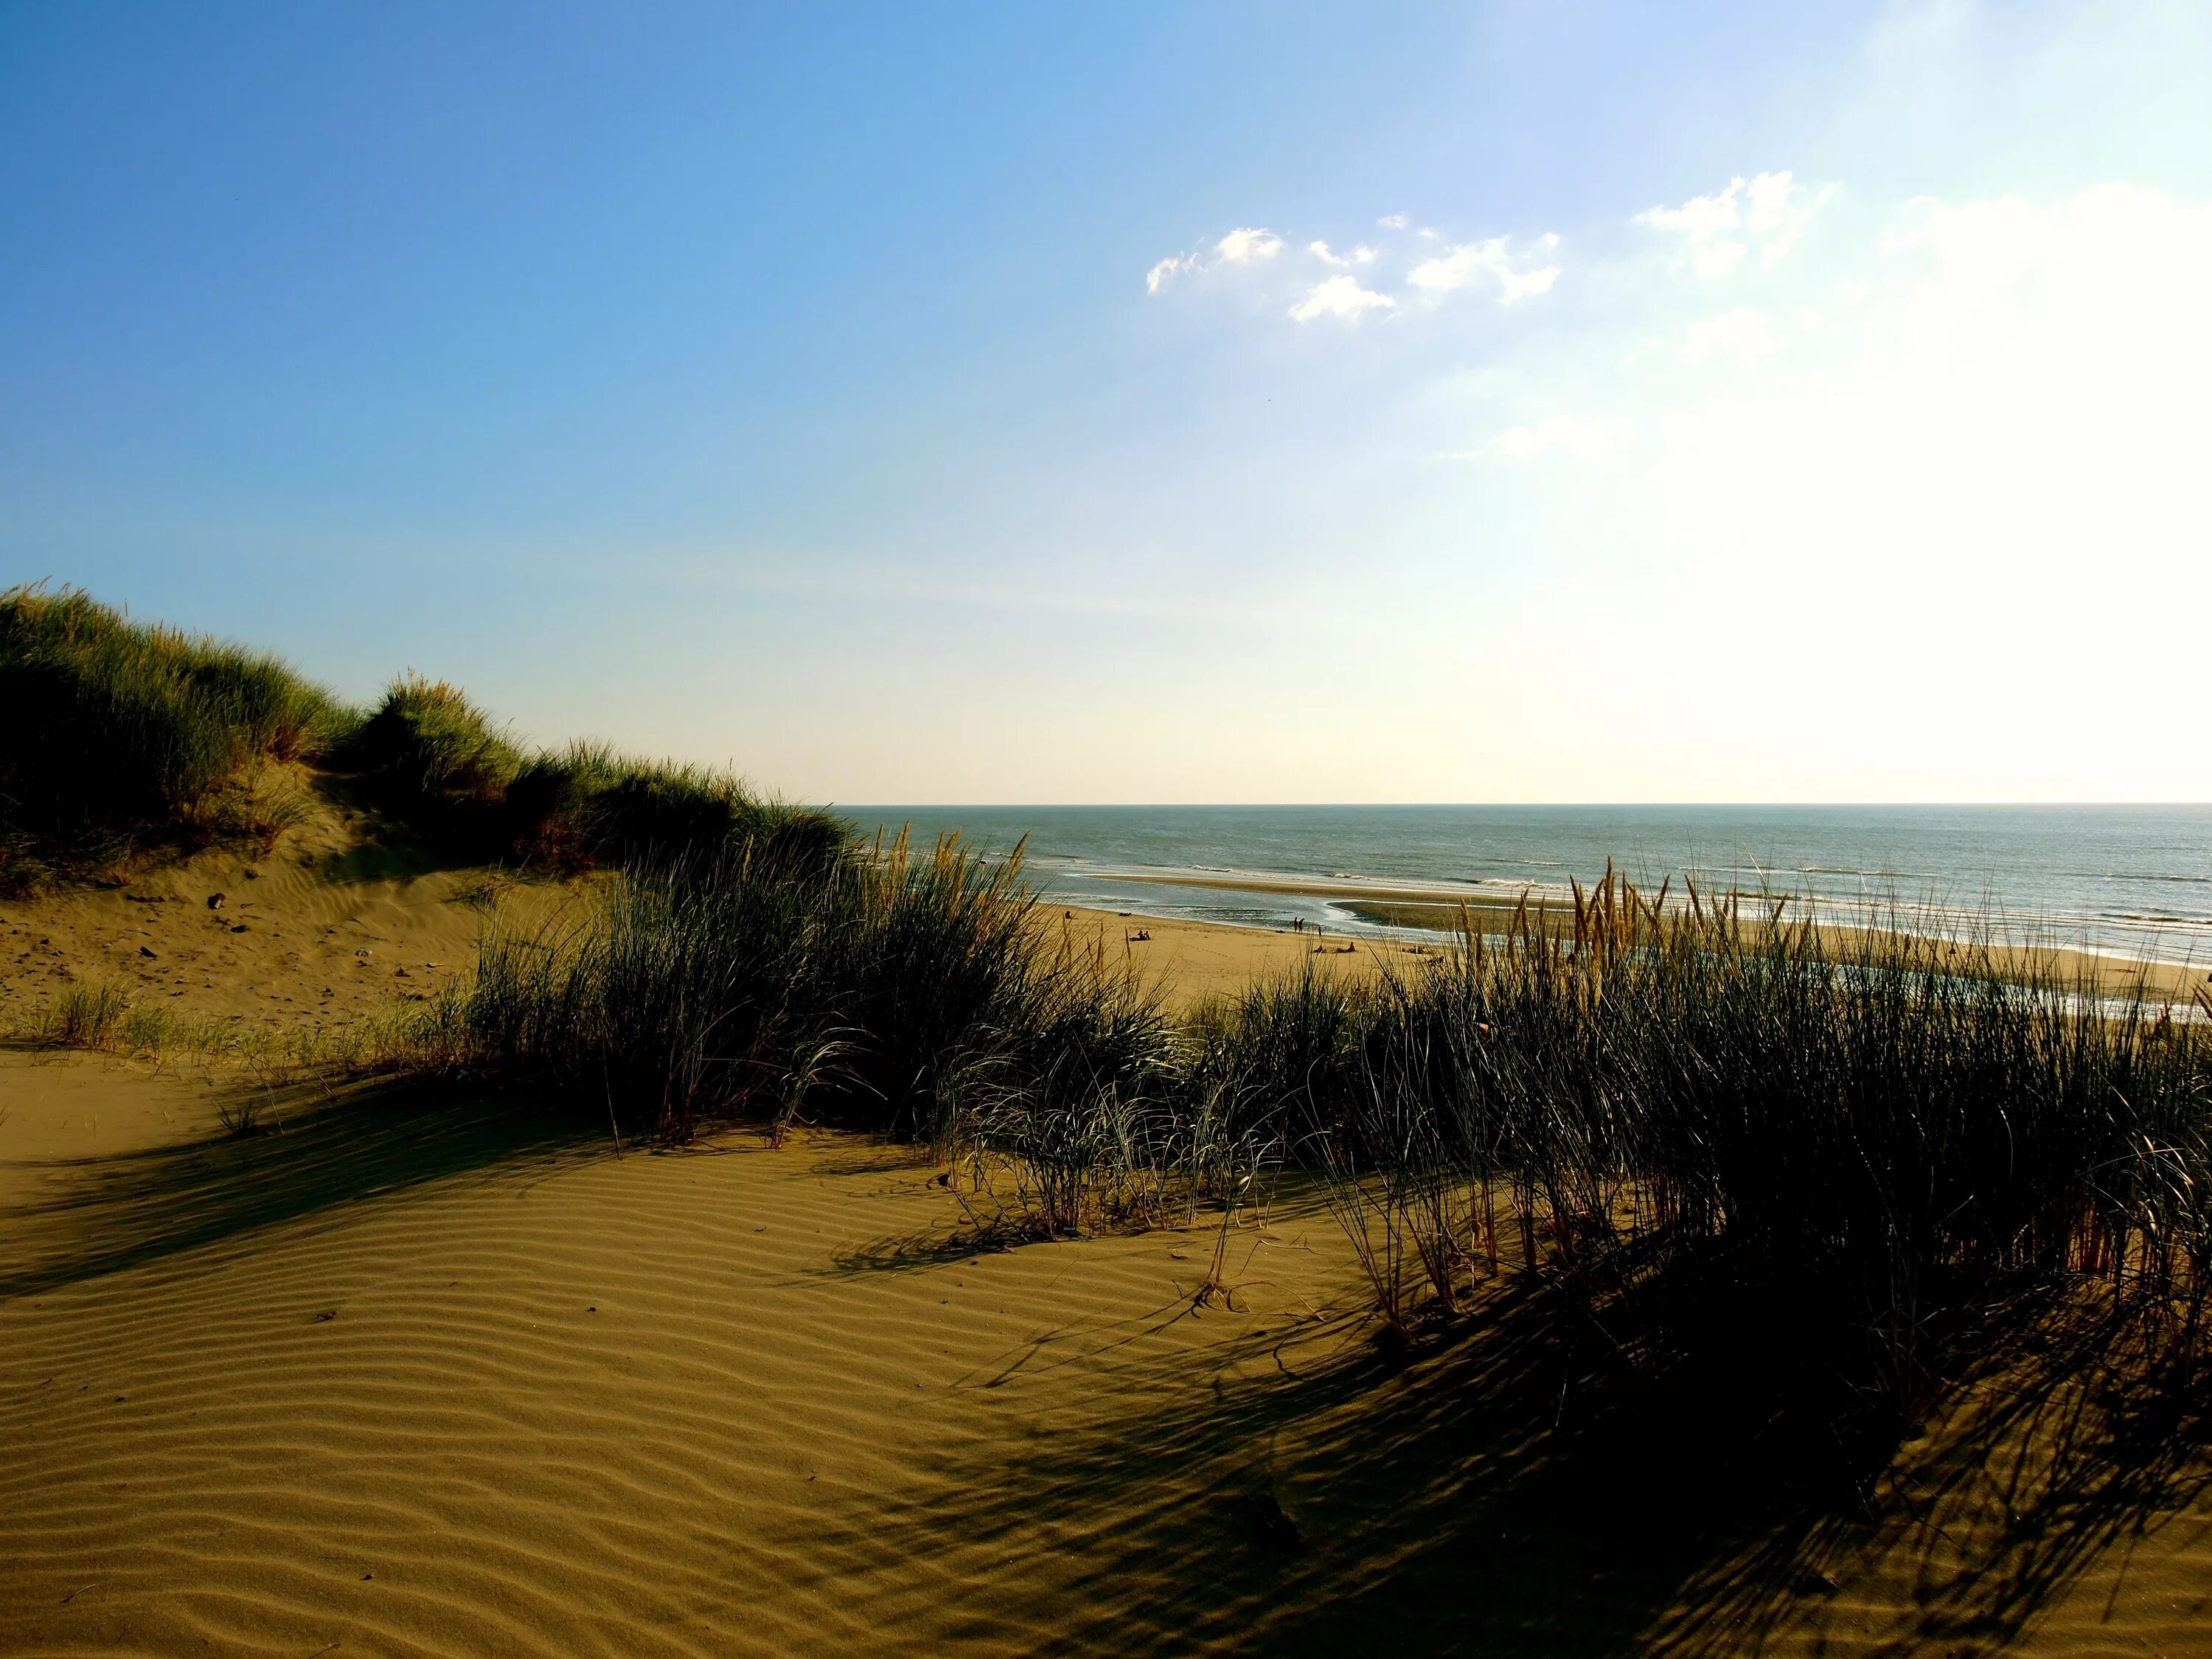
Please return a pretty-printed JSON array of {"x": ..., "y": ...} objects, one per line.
[{"x": 929, "y": 404}]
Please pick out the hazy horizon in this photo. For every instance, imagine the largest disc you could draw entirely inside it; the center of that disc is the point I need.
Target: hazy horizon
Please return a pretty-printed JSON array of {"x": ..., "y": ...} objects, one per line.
[{"x": 1512, "y": 405}]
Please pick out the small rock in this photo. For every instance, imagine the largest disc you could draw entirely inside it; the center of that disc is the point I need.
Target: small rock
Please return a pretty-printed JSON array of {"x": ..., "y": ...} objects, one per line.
[
  {"x": 399, "y": 973},
  {"x": 252, "y": 874},
  {"x": 216, "y": 901},
  {"x": 147, "y": 951},
  {"x": 240, "y": 928}
]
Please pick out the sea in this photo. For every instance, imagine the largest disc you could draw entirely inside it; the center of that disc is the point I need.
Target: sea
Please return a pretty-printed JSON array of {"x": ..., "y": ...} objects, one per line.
[{"x": 2133, "y": 880}]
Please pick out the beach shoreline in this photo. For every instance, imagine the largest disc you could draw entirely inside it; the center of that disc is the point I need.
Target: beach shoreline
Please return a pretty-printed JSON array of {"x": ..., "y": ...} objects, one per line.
[{"x": 1202, "y": 959}]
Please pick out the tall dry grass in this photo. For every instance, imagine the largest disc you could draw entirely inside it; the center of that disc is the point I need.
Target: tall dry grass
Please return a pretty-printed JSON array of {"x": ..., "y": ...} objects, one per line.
[
  {"x": 1862, "y": 1144},
  {"x": 912, "y": 993}
]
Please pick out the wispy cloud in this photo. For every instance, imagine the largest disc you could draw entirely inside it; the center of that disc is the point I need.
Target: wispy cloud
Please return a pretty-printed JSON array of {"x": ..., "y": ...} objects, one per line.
[
  {"x": 1362, "y": 255},
  {"x": 1167, "y": 269},
  {"x": 1249, "y": 245},
  {"x": 1767, "y": 213},
  {"x": 1423, "y": 276},
  {"x": 1491, "y": 258}
]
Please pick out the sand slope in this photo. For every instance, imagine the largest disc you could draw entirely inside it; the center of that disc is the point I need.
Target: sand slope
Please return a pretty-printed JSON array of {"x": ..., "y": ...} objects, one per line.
[
  {"x": 430, "y": 1376},
  {"x": 332, "y": 924}
]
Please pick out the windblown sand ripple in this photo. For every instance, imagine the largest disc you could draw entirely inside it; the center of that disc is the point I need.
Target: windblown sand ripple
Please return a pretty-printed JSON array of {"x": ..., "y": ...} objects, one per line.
[
  {"x": 430, "y": 1378},
  {"x": 484, "y": 1397}
]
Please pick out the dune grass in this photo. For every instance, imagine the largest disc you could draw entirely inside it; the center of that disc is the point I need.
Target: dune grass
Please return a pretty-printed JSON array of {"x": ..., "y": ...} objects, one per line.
[
  {"x": 102, "y": 1016},
  {"x": 917, "y": 994},
  {"x": 432, "y": 751},
  {"x": 121, "y": 733},
  {"x": 438, "y": 762},
  {"x": 1688, "y": 1122},
  {"x": 125, "y": 739},
  {"x": 1852, "y": 1152}
]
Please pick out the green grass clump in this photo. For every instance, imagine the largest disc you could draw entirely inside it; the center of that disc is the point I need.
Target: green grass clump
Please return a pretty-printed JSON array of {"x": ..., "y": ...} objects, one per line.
[
  {"x": 912, "y": 995},
  {"x": 436, "y": 761},
  {"x": 588, "y": 806},
  {"x": 85, "y": 1017},
  {"x": 123, "y": 737},
  {"x": 432, "y": 752},
  {"x": 120, "y": 732},
  {"x": 100, "y": 1016}
]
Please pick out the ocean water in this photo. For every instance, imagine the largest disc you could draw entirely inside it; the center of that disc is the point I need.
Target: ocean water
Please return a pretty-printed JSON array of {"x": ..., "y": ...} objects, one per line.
[{"x": 2134, "y": 880}]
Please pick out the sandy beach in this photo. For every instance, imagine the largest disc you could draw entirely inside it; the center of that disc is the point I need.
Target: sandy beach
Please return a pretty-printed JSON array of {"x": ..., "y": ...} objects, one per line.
[{"x": 1210, "y": 958}]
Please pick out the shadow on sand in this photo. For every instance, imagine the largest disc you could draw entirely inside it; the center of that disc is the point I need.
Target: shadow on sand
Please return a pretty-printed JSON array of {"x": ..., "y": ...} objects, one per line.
[
  {"x": 1510, "y": 1492},
  {"x": 314, "y": 1151},
  {"x": 385, "y": 845}
]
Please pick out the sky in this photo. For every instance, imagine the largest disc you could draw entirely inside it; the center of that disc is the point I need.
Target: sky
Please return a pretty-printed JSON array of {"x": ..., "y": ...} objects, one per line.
[{"x": 1527, "y": 402}]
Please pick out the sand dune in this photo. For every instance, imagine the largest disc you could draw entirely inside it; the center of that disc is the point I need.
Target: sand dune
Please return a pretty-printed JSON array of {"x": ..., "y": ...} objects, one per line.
[
  {"x": 461, "y": 1389},
  {"x": 428, "y": 1374},
  {"x": 433, "y": 1377},
  {"x": 322, "y": 930}
]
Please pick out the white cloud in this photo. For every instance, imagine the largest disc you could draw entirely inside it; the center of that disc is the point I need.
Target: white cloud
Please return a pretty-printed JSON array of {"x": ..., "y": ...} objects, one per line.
[
  {"x": 1519, "y": 284},
  {"x": 1768, "y": 211},
  {"x": 1360, "y": 256},
  {"x": 1468, "y": 261},
  {"x": 1169, "y": 267},
  {"x": 1517, "y": 275},
  {"x": 1244, "y": 247},
  {"x": 1743, "y": 334},
  {"x": 1339, "y": 296},
  {"x": 1778, "y": 210},
  {"x": 1394, "y": 221},
  {"x": 1249, "y": 245}
]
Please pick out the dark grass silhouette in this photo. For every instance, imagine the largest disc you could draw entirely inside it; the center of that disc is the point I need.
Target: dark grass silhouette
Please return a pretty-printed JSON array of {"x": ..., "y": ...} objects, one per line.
[
  {"x": 1870, "y": 1144},
  {"x": 121, "y": 736},
  {"x": 438, "y": 764},
  {"x": 126, "y": 741}
]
